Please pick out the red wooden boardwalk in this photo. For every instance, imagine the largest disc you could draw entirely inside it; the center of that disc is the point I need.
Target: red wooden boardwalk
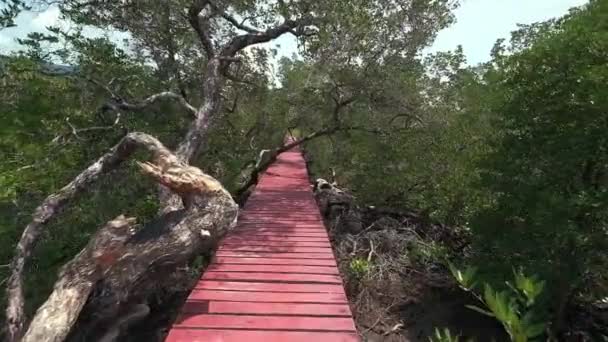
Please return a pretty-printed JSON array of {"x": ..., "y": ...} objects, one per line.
[{"x": 274, "y": 277}]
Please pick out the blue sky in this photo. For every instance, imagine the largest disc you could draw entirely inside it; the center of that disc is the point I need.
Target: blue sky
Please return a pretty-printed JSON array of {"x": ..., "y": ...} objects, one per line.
[{"x": 479, "y": 24}]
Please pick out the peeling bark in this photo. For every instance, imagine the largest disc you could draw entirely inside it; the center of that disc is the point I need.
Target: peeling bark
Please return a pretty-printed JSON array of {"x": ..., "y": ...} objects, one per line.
[
  {"x": 53, "y": 205},
  {"x": 57, "y": 315},
  {"x": 194, "y": 139},
  {"x": 118, "y": 261}
]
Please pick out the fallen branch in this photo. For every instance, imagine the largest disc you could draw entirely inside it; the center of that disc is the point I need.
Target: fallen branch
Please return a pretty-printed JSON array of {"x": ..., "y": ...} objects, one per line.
[
  {"x": 372, "y": 250},
  {"x": 195, "y": 189},
  {"x": 273, "y": 154},
  {"x": 261, "y": 166},
  {"x": 57, "y": 315}
]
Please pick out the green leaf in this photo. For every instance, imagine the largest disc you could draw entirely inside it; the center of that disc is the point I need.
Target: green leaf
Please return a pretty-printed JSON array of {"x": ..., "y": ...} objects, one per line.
[
  {"x": 535, "y": 330},
  {"x": 480, "y": 310}
]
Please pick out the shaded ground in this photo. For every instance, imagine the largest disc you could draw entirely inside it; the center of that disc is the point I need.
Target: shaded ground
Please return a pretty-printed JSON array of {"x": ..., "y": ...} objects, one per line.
[
  {"x": 438, "y": 309},
  {"x": 397, "y": 289}
]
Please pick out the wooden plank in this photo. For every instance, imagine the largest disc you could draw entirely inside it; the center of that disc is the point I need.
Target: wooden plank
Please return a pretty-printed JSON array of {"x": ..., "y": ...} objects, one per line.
[
  {"x": 274, "y": 277},
  {"x": 275, "y": 205},
  {"x": 282, "y": 226},
  {"x": 294, "y": 192},
  {"x": 271, "y": 249},
  {"x": 267, "y": 202},
  {"x": 292, "y": 221},
  {"x": 267, "y": 297},
  {"x": 255, "y": 238},
  {"x": 293, "y": 224},
  {"x": 262, "y": 232},
  {"x": 266, "y": 323},
  {"x": 195, "y": 335},
  {"x": 218, "y": 267},
  {"x": 288, "y": 225},
  {"x": 288, "y": 210},
  {"x": 274, "y": 196},
  {"x": 267, "y": 287},
  {"x": 266, "y": 218},
  {"x": 282, "y": 277},
  {"x": 327, "y": 256},
  {"x": 218, "y": 307},
  {"x": 252, "y": 239},
  {"x": 276, "y": 224},
  {"x": 285, "y": 184},
  {"x": 285, "y": 208},
  {"x": 277, "y": 195},
  {"x": 274, "y": 233},
  {"x": 281, "y": 220},
  {"x": 286, "y": 214},
  {"x": 271, "y": 182},
  {"x": 264, "y": 204},
  {"x": 231, "y": 242},
  {"x": 272, "y": 261},
  {"x": 279, "y": 229}
]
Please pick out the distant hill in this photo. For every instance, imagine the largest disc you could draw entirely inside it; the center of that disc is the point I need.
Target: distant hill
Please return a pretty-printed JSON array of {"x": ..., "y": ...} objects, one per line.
[{"x": 46, "y": 67}]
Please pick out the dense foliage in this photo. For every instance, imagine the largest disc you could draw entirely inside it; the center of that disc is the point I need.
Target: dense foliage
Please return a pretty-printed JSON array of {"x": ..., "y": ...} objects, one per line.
[
  {"x": 547, "y": 167},
  {"x": 513, "y": 152}
]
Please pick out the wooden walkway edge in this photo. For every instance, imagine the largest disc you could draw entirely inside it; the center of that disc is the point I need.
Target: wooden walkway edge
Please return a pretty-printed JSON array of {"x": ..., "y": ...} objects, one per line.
[{"x": 274, "y": 277}]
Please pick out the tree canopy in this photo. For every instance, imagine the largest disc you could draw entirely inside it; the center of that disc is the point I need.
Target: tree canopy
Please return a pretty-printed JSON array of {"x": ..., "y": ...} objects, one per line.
[{"x": 510, "y": 153}]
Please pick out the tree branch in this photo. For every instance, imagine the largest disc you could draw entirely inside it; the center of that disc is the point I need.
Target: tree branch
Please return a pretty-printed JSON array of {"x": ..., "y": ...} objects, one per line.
[
  {"x": 273, "y": 154},
  {"x": 235, "y": 79},
  {"x": 239, "y": 25},
  {"x": 120, "y": 103},
  {"x": 339, "y": 104},
  {"x": 63, "y": 137},
  {"x": 242, "y": 41},
  {"x": 54, "y": 204},
  {"x": 199, "y": 14},
  {"x": 410, "y": 117}
]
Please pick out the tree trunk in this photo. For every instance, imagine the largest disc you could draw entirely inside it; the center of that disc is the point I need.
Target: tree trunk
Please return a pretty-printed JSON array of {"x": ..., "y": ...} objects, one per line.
[{"x": 193, "y": 143}]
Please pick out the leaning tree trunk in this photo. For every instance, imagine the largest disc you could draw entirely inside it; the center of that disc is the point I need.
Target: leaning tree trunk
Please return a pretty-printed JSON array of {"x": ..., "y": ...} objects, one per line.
[
  {"x": 114, "y": 273},
  {"x": 123, "y": 262}
]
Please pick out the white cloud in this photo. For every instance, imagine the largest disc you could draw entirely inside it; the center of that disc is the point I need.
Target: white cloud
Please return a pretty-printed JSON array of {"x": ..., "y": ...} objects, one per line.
[
  {"x": 28, "y": 22},
  {"x": 481, "y": 22},
  {"x": 50, "y": 17}
]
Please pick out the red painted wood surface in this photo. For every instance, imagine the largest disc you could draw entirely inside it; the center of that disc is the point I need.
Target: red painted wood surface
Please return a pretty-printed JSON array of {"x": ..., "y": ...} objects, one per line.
[
  {"x": 198, "y": 335},
  {"x": 274, "y": 277}
]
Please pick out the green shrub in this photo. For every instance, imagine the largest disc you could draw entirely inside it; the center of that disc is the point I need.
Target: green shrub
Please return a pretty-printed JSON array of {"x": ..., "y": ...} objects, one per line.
[
  {"x": 359, "y": 267},
  {"x": 516, "y": 308}
]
